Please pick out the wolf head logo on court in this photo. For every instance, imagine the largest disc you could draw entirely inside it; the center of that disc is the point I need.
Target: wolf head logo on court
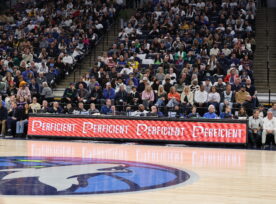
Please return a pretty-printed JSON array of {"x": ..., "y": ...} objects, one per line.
[{"x": 74, "y": 176}]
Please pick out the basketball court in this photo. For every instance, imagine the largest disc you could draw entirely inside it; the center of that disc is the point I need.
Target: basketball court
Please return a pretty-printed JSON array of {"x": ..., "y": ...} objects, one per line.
[{"x": 34, "y": 171}]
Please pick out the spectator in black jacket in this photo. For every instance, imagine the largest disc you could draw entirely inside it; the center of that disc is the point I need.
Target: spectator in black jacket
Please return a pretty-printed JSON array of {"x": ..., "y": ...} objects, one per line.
[
  {"x": 69, "y": 94},
  {"x": 3, "y": 119},
  {"x": 11, "y": 121},
  {"x": 248, "y": 105},
  {"x": 121, "y": 97},
  {"x": 21, "y": 115},
  {"x": 96, "y": 94}
]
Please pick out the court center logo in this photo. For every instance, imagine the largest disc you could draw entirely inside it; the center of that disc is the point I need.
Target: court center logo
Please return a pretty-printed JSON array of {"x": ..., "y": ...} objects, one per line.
[{"x": 75, "y": 176}]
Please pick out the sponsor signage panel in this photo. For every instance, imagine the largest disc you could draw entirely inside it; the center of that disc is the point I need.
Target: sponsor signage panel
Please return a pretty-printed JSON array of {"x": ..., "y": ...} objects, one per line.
[{"x": 185, "y": 131}]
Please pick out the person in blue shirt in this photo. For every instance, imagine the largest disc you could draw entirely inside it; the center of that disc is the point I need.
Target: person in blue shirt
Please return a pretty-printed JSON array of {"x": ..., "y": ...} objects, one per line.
[
  {"x": 227, "y": 113},
  {"x": 211, "y": 113},
  {"x": 106, "y": 108},
  {"x": 108, "y": 92}
]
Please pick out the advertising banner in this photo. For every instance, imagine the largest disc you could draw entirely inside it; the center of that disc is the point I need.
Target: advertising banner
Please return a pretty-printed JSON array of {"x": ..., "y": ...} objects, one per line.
[{"x": 185, "y": 131}]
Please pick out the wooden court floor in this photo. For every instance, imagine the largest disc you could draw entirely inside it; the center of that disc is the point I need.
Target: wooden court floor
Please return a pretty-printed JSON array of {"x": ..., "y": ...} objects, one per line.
[{"x": 218, "y": 175}]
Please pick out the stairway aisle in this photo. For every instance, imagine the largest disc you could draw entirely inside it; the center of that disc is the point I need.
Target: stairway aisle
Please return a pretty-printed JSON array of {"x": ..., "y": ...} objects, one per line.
[
  {"x": 261, "y": 55},
  {"x": 85, "y": 66}
]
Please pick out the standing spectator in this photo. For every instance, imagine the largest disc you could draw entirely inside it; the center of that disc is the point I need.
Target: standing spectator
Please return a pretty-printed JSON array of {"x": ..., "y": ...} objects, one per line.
[
  {"x": 269, "y": 127},
  {"x": 3, "y": 119},
  {"x": 22, "y": 115}
]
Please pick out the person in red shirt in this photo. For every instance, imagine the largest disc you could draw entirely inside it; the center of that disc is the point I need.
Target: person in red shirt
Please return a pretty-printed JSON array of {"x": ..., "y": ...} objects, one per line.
[{"x": 173, "y": 97}]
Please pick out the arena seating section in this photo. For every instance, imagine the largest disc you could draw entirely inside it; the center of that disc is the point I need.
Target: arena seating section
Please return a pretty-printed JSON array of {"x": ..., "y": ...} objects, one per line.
[{"x": 183, "y": 46}]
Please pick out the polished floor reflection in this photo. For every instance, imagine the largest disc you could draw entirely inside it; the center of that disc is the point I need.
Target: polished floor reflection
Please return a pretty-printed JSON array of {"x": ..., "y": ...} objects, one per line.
[{"x": 70, "y": 172}]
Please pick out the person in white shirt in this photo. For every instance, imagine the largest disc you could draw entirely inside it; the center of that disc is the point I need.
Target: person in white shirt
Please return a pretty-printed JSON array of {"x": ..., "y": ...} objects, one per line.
[
  {"x": 214, "y": 51},
  {"x": 214, "y": 97},
  {"x": 255, "y": 124},
  {"x": 269, "y": 127},
  {"x": 201, "y": 99}
]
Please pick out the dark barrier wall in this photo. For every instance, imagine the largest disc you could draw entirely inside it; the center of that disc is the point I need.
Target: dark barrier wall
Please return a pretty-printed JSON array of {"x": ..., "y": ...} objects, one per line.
[{"x": 142, "y": 129}]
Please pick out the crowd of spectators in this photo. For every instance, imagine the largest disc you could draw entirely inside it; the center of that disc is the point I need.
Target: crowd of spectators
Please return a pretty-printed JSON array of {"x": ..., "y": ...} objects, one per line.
[
  {"x": 40, "y": 43},
  {"x": 174, "y": 58}
]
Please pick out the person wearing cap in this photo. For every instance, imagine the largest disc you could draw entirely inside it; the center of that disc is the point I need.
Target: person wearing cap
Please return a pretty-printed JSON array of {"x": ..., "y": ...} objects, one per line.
[
  {"x": 241, "y": 96},
  {"x": 232, "y": 75},
  {"x": 269, "y": 127},
  {"x": 23, "y": 91}
]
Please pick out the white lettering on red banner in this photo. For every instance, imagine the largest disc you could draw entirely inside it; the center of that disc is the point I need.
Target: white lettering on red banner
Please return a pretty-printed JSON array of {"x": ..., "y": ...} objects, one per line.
[{"x": 139, "y": 129}]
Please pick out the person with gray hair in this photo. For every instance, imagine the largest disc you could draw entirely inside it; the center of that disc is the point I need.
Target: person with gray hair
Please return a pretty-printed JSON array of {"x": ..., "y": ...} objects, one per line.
[
  {"x": 46, "y": 92},
  {"x": 211, "y": 113},
  {"x": 269, "y": 127}
]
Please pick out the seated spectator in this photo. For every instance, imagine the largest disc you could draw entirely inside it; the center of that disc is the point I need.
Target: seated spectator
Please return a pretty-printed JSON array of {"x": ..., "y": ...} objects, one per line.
[
  {"x": 80, "y": 110},
  {"x": 105, "y": 109},
  {"x": 3, "y": 88},
  {"x": 46, "y": 92},
  {"x": 187, "y": 99},
  {"x": 194, "y": 113},
  {"x": 213, "y": 97},
  {"x": 242, "y": 115},
  {"x": 134, "y": 97},
  {"x": 211, "y": 113},
  {"x": 273, "y": 109},
  {"x": 269, "y": 127},
  {"x": 173, "y": 97},
  {"x": 140, "y": 112},
  {"x": 93, "y": 110},
  {"x": 96, "y": 94},
  {"x": 109, "y": 92},
  {"x": 220, "y": 85},
  {"x": 3, "y": 119},
  {"x": 248, "y": 105},
  {"x": 56, "y": 109},
  {"x": 21, "y": 116},
  {"x": 68, "y": 109},
  {"x": 154, "y": 112},
  {"x": 82, "y": 94},
  {"x": 34, "y": 88},
  {"x": 121, "y": 98},
  {"x": 175, "y": 112},
  {"x": 24, "y": 91},
  {"x": 227, "y": 113},
  {"x": 241, "y": 96},
  {"x": 35, "y": 106},
  {"x": 227, "y": 98},
  {"x": 70, "y": 94},
  {"x": 255, "y": 124},
  {"x": 201, "y": 99},
  {"x": 161, "y": 96},
  {"x": 148, "y": 97},
  {"x": 262, "y": 111},
  {"x": 45, "y": 107}
]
